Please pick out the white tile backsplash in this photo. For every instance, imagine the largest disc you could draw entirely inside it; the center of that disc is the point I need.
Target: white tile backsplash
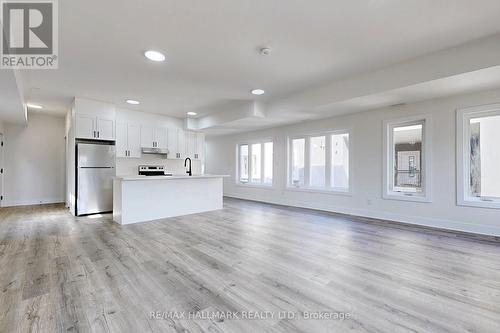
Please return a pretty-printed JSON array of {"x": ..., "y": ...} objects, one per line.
[{"x": 129, "y": 166}]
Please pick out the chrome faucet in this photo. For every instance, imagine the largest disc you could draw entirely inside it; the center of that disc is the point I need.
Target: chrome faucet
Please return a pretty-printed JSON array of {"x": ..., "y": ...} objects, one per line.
[{"x": 189, "y": 170}]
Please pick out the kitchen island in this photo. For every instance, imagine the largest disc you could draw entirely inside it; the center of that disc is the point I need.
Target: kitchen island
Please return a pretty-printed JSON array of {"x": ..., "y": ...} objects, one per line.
[{"x": 146, "y": 198}]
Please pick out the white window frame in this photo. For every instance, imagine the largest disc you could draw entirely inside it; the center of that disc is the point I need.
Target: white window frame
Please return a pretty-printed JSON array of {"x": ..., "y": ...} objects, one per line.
[
  {"x": 463, "y": 150},
  {"x": 426, "y": 159},
  {"x": 250, "y": 183},
  {"x": 327, "y": 189}
]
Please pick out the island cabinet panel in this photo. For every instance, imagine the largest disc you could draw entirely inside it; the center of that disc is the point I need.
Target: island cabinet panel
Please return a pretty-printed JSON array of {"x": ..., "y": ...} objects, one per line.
[{"x": 186, "y": 195}]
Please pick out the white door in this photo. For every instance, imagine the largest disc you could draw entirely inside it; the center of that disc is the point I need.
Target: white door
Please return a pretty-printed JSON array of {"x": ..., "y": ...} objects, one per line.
[
  {"x": 105, "y": 129},
  {"x": 134, "y": 141},
  {"x": 147, "y": 137},
  {"x": 160, "y": 137},
  {"x": 1, "y": 169},
  {"x": 121, "y": 140},
  {"x": 85, "y": 127}
]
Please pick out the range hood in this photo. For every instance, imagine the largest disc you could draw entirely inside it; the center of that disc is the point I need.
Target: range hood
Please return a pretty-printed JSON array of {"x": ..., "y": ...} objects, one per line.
[{"x": 156, "y": 151}]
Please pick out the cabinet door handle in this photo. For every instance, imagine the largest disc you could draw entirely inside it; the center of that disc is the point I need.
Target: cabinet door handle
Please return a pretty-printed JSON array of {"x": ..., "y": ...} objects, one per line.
[
  {"x": 126, "y": 152},
  {"x": 95, "y": 135}
]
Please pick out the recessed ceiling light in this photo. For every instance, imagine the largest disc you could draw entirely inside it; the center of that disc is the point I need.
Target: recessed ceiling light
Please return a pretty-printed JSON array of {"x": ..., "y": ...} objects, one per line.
[
  {"x": 154, "y": 55},
  {"x": 133, "y": 102},
  {"x": 191, "y": 113},
  {"x": 34, "y": 106},
  {"x": 258, "y": 92},
  {"x": 265, "y": 51}
]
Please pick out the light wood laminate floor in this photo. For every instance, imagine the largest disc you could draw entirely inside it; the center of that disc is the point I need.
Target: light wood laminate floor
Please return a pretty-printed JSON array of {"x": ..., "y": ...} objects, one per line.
[{"x": 66, "y": 274}]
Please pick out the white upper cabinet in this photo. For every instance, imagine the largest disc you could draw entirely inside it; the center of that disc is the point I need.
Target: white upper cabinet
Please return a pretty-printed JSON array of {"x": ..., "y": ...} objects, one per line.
[
  {"x": 172, "y": 143},
  {"x": 105, "y": 129},
  {"x": 134, "y": 140},
  {"x": 94, "y": 120},
  {"x": 121, "y": 139},
  {"x": 160, "y": 136},
  {"x": 147, "y": 140},
  {"x": 176, "y": 143},
  {"x": 85, "y": 126},
  {"x": 181, "y": 143},
  {"x": 190, "y": 144},
  {"x": 128, "y": 140},
  {"x": 195, "y": 144},
  {"x": 152, "y": 137},
  {"x": 200, "y": 146}
]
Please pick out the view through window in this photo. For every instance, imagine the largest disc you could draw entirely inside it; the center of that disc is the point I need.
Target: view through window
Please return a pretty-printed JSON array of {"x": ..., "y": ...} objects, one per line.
[
  {"x": 484, "y": 157},
  {"x": 255, "y": 163},
  {"x": 407, "y": 158}
]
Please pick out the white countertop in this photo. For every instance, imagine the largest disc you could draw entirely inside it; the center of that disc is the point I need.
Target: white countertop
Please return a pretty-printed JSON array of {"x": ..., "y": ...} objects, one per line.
[{"x": 174, "y": 177}]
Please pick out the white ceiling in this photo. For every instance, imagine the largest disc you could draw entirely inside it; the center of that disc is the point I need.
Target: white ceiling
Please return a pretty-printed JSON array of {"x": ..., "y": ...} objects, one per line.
[{"x": 211, "y": 48}]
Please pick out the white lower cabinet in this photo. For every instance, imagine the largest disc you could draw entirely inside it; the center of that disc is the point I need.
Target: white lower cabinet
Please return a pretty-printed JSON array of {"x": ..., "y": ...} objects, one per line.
[{"x": 128, "y": 140}]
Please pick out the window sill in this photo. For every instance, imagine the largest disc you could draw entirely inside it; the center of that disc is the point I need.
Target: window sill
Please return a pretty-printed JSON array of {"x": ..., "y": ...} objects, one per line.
[
  {"x": 320, "y": 190},
  {"x": 254, "y": 185},
  {"x": 478, "y": 203},
  {"x": 407, "y": 197}
]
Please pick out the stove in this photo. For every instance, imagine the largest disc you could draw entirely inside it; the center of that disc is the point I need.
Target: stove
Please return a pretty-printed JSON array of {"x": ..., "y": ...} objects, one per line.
[{"x": 153, "y": 170}]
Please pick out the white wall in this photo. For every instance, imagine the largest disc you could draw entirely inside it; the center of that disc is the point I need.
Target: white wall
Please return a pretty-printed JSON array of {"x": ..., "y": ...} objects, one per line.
[
  {"x": 34, "y": 161},
  {"x": 366, "y": 149},
  {"x": 1, "y": 126},
  {"x": 128, "y": 166}
]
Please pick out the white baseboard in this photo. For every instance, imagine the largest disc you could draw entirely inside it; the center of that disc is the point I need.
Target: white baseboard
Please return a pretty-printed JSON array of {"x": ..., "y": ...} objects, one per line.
[
  {"x": 44, "y": 201},
  {"x": 382, "y": 215}
]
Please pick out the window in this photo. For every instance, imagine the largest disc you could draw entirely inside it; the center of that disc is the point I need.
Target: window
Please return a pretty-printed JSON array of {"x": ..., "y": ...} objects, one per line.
[
  {"x": 268, "y": 163},
  {"x": 258, "y": 169},
  {"x": 320, "y": 162},
  {"x": 340, "y": 161},
  {"x": 298, "y": 156},
  {"x": 407, "y": 157},
  {"x": 478, "y": 157},
  {"x": 243, "y": 164},
  {"x": 256, "y": 162}
]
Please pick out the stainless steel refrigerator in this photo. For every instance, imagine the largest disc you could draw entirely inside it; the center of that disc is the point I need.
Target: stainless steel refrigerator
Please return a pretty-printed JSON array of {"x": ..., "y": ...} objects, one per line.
[{"x": 95, "y": 172}]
